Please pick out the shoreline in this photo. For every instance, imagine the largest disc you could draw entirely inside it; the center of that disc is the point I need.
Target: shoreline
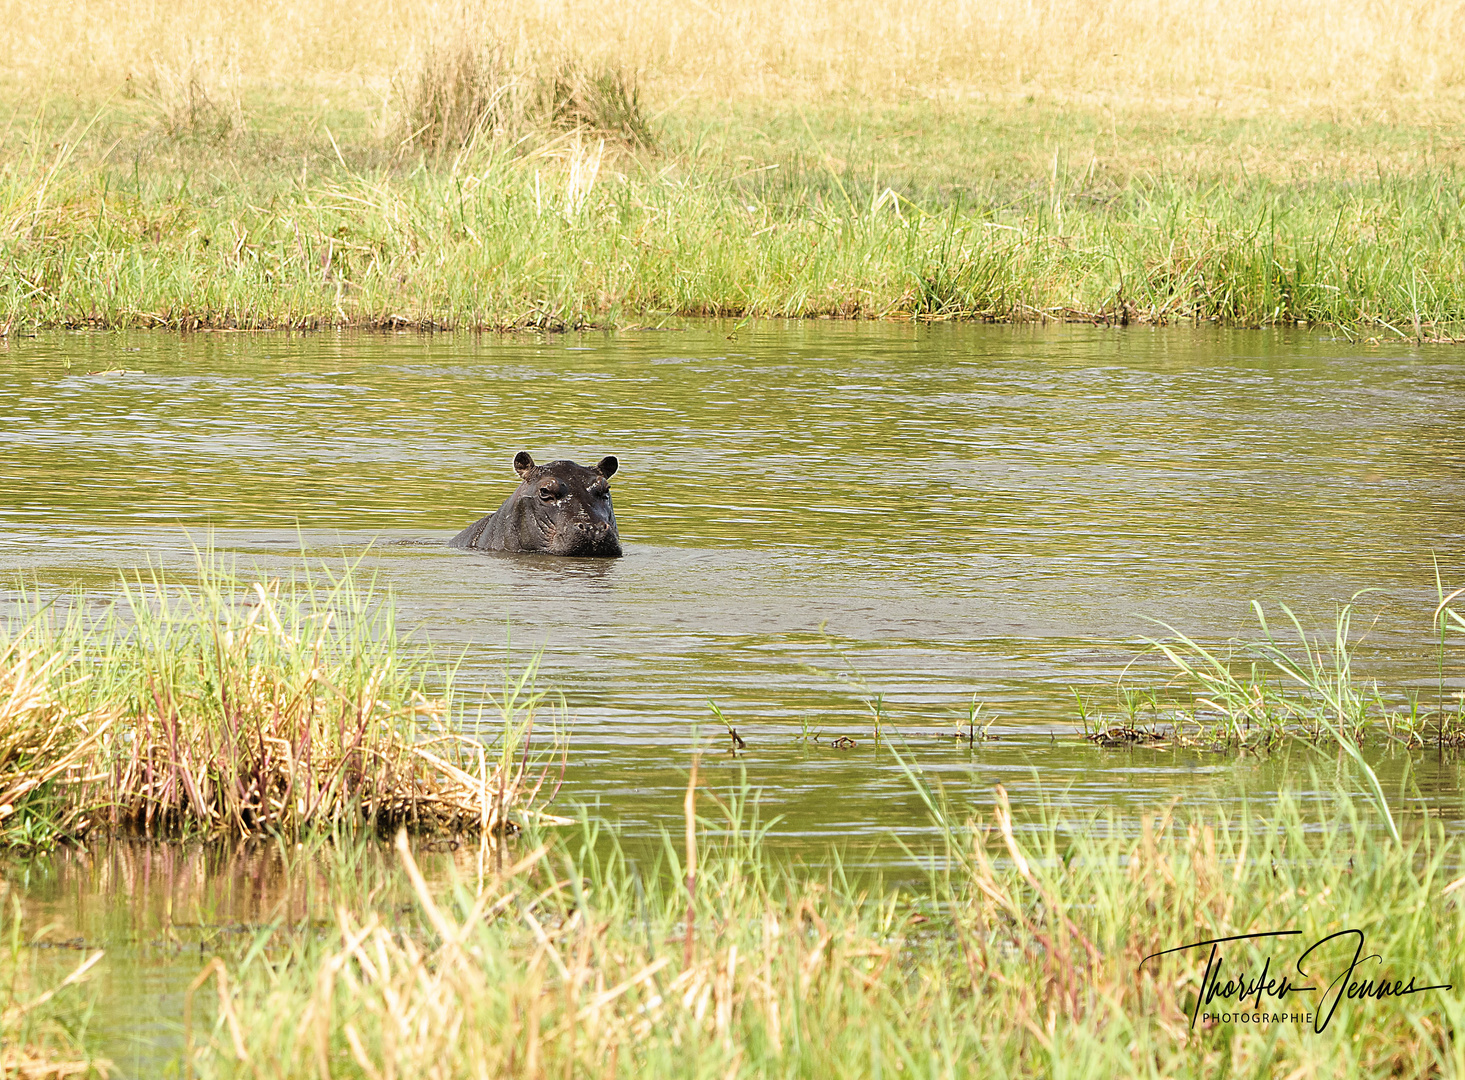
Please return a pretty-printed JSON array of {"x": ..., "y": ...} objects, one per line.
[{"x": 985, "y": 213}]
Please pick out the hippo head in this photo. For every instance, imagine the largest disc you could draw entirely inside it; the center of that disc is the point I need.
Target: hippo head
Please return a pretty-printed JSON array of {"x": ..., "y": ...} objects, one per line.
[{"x": 566, "y": 508}]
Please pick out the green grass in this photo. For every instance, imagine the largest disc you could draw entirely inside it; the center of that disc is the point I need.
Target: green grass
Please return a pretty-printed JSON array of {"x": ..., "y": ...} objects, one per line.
[
  {"x": 1019, "y": 954},
  {"x": 1013, "y": 212},
  {"x": 1254, "y": 695},
  {"x": 1259, "y": 695},
  {"x": 1019, "y": 950},
  {"x": 1027, "y": 947}
]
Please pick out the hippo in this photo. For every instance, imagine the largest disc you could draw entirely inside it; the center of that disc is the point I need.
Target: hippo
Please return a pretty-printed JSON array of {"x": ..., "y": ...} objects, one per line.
[{"x": 560, "y": 509}]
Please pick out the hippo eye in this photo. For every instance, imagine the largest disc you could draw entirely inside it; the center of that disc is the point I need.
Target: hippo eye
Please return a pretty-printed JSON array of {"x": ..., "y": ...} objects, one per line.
[
  {"x": 547, "y": 494},
  {"x": 600, "y": 488}
]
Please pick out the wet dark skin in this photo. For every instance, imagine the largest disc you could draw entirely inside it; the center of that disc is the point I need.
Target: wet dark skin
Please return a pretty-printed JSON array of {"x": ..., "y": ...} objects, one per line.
[{"x": 561, "y": 508}]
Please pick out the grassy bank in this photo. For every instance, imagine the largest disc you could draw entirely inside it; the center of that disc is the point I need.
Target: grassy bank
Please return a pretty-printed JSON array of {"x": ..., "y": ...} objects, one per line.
[
  {"x": 535, "y": 242},
  {"x": 494, "y": 169},
  {"x": 1339, "y": 53},
  {"x": 230, "y": 707},
  {"x": 1019, "y": 954}
]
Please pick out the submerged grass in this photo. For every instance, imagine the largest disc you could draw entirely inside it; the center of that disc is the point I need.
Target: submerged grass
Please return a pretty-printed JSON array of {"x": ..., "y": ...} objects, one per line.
[
  {"x": 1257, "y": 694},
  {"x": 42, "y": 1031},
  {"x": 228, "y": 706}
]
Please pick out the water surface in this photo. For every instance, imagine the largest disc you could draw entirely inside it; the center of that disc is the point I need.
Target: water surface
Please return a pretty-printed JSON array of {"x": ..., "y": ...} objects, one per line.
[{"x": 817, "y": 517}]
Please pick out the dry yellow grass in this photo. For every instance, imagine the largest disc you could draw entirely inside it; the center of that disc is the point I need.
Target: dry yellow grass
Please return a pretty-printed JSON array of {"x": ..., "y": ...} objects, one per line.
[{"x": 1311, "y": 54}]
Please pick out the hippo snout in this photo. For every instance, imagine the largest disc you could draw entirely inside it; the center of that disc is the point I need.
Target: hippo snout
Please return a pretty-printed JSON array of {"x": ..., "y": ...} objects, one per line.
[{"x": 595, "y": 538}]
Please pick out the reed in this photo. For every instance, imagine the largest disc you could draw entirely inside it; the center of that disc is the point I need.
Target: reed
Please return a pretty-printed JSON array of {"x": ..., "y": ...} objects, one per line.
[
  {"x": 226, "y": 706},
  {"x": 39, "y": 741}
]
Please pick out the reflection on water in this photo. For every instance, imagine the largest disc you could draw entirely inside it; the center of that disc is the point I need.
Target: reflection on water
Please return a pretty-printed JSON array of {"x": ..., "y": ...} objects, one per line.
[
  {"x": 160, "y": 911},
  {"x": 820, "y": 520}
]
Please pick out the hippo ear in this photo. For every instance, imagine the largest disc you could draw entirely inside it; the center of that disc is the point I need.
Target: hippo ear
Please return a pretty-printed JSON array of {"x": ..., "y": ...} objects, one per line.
[
  {"x": 523, "y": 463},
  {"x": 607, "y": 467}
]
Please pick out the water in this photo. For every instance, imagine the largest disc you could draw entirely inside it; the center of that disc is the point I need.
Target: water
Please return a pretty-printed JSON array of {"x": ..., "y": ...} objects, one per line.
[{"x": 817, "y": 517}]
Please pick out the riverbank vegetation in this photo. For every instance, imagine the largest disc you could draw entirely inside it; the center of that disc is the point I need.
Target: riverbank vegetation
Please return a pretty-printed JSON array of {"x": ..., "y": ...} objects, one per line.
[
  {"x": 499, "y": 165},
  {"x": 1257, "y": 694},
  {"x": 1023, "y": 949},
  {"x": 231, "y": 706},
  {"x": 228, "y": 707}
]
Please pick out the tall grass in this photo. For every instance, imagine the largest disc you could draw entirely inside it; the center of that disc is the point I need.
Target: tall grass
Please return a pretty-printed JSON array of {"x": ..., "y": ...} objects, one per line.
[
  {"x": 565, "y": 237},
  {"x": 188, "y": 106},
  {"x": 232, "y": 707},
  {"x": 466, "y": 92},
  {"x": 1020, "y": 954}
]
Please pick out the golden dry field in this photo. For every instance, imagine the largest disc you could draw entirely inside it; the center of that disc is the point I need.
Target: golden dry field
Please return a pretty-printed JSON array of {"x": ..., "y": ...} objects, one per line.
[{"x": 1314, "y": 56}]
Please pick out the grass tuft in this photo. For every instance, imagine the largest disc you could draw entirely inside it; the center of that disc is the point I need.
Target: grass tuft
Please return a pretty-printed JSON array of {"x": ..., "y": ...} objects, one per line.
[
  {"x": 463, "y": 93},
  {"x": 606, "y": 102},
  {"x": 233, "y": 707},
  {"x": 1257, "y": 695},
  {"x": 458, "y": 95},
  {"x": 1253, "y": 695},
  {"x": 193, "y": 99}
]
